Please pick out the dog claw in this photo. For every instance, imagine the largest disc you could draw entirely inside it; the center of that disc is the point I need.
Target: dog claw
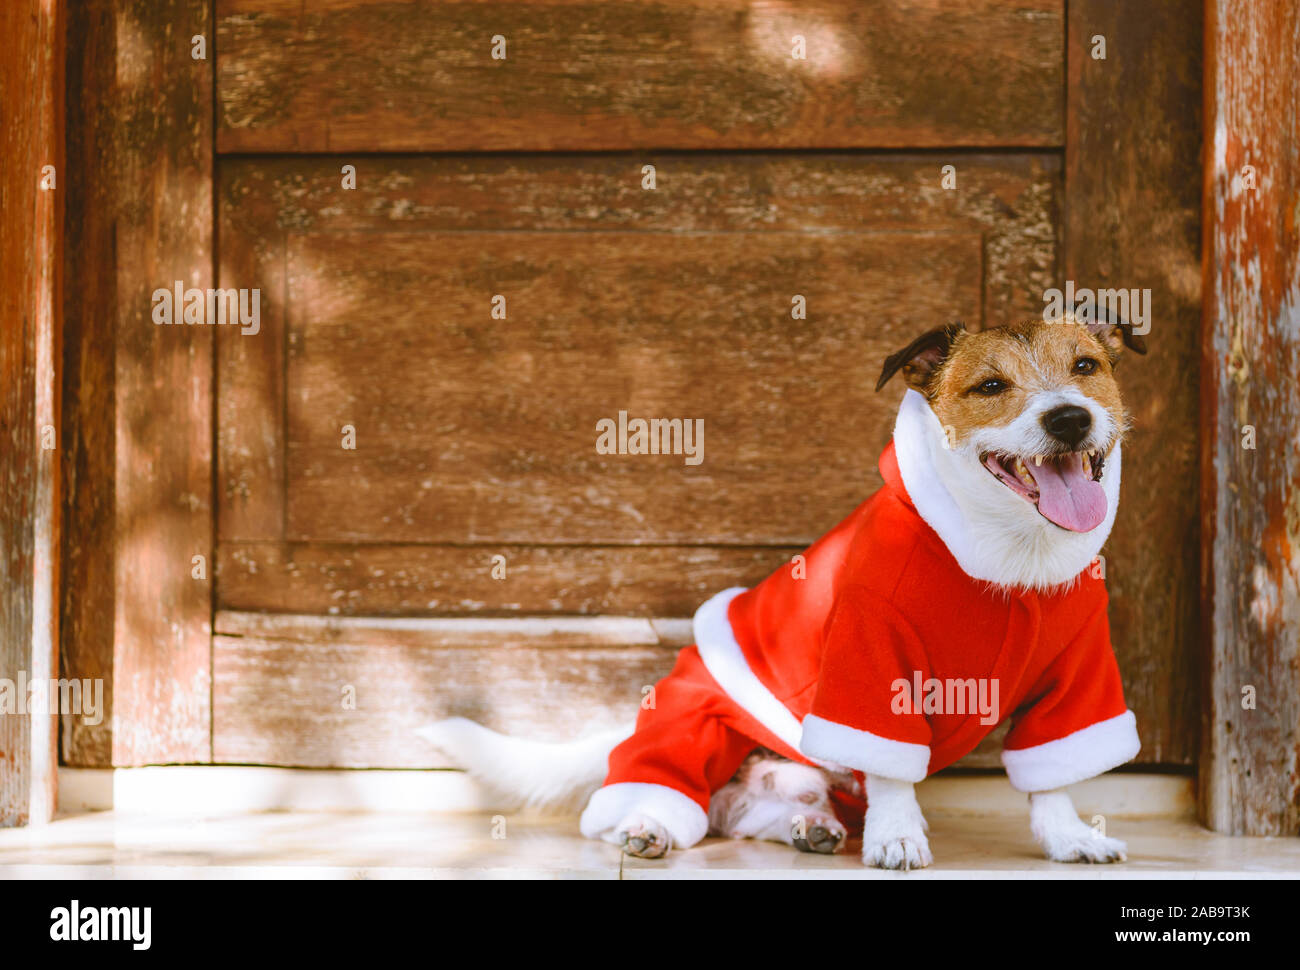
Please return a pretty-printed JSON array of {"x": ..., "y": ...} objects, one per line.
[
  {"x": 903, "y": 854},
  {"x": 642, "y": 839},
  {"x": 1090, "y": 849},
  {"x": 822, "y": 839}
]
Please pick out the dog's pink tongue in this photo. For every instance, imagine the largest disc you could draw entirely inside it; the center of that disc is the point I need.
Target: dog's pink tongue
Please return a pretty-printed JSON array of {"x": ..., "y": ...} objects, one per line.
[{"x": 1067, "y": 495}]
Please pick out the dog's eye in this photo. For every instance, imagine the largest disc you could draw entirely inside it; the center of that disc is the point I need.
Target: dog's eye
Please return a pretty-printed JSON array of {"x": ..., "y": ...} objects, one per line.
[
  {"x": 1085, "y": 365},
  {"x": 990, "y": 387}
]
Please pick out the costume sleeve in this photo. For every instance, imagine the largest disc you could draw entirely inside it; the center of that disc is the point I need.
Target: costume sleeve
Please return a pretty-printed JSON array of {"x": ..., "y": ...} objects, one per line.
[
  {"x": 1076, "y": 724},
  {"x": 864, "y": 714}
]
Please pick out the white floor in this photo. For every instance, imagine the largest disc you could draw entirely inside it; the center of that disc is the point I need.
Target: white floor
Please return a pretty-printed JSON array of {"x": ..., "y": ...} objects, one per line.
[
  {"x": 241, "y": 822},
  {"x": 106, "y": 845}
]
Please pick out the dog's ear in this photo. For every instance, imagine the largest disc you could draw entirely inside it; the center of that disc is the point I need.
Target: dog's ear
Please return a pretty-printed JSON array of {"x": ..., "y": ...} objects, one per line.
[
  {"x": 1114, "y": 332},
  {"x": 919, "y": 359}
]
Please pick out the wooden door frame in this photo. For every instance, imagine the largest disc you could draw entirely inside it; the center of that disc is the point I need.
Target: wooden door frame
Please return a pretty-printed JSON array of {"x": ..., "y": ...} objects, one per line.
[
  {"x": 1250, "y": 490},
  {"x": 31, "y": 263},
  {"x": 137, "y": 594},
  {"x": 138, "y": 431}
]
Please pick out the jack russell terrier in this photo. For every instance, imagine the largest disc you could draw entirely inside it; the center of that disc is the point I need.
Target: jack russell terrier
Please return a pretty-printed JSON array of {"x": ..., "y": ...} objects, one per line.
[{"x": 856, "y": 669}]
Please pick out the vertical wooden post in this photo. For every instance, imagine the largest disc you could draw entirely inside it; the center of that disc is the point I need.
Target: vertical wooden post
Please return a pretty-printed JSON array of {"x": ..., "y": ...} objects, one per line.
[
  {"x": 162, "y": 685},
  {"x": 90, "y": 290},
  {"x": 137, "y": 603},
  {"x": 31, "y": 187},
  {"x": 1250, "y": 756}
]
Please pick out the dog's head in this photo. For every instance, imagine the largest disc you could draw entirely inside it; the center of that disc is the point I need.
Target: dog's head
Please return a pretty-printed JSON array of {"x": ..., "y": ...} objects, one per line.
[{"x": 1034, "y": 404}]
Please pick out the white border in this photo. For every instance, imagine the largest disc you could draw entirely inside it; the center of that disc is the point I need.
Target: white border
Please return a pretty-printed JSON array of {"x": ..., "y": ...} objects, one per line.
[
  {"x": 685, "y": 821},
  {"x": 864, "y": 751},
  {"x": 207, "y": 790},
  {"x": 1083, "y": 754}
]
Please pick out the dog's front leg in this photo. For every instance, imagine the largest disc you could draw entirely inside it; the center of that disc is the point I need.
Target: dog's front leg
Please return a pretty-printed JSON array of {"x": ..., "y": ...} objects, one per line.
[
  {"x": 893, "y": 836},
  {"x": 1064, "y": 836}
]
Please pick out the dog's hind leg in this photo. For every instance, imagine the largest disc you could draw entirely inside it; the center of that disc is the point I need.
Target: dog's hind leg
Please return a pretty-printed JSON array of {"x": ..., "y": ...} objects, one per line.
[{"x": 778, "y": 801}]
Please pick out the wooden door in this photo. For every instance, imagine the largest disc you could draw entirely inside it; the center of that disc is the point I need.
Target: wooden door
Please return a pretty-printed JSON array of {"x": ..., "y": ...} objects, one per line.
[{"x": 478, "y": 229}]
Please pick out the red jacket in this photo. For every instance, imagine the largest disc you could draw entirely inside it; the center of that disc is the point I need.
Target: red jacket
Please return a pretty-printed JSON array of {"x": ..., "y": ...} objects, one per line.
[{"x": 878, "y": 653}]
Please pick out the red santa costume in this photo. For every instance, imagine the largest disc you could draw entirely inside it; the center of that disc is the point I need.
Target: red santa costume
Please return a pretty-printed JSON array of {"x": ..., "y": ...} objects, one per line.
[{"x": 822, "y": 661}]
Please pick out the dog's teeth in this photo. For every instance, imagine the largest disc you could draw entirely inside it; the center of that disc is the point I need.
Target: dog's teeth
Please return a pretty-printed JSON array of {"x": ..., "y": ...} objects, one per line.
[
  {"x": 1087, "y": 464},
  {"x": 1038, "y": 459},
  {"x": 1022, "y": 473}
]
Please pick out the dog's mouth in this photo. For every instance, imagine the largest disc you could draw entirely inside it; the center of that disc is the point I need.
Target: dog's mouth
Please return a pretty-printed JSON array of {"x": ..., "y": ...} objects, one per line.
[{"x": 1064, "y": 487}]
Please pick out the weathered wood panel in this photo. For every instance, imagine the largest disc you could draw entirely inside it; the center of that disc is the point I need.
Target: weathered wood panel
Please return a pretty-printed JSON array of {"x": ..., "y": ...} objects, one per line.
[
  {"x": 1132, "y": 221},
  {"x": 141, "y": 435},
  {"x": 326, "y": 692},
  {"x": 31, "y": 138},
  {"x": 349, "y": 693},
  {"x": 90, "y": 285},
  {"x": 250, "y": 382},
  {"x": 163, "y": 438},
  {"x": 387, "y": 75},
  {"x": 1010, "y": 201},
  {"x": 388, "y": 580},
  {"x": 474, "y": 429},
  {"x": 1250, "y": 753}
]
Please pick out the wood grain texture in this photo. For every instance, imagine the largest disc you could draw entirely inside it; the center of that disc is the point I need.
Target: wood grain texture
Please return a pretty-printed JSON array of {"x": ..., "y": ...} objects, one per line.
[
  {"x": 90, "y": 284},
  {"x": 31, "y": 259},
  {"x": 1250, "y": 754},
  {"x": 1132, "y": 221},
  {"x": 142, "y": 432},
  {"x": 398, "y": 580},
  {"x": 471, "y": 429},
  {"x": 281, "y": 683},
  {"x": 387, "y": 75},
  {"x": 250, "y": 382},
  {"x": 1010, "y": 202},
  {"x": 162, "y": 665}
]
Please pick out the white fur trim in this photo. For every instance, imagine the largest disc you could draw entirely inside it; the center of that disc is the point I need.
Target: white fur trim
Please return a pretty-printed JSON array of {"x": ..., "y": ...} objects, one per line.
[
  {"x": 685, "y": 821},
  {"x": 725, "y": 661},
  {"x": 853, "y": 748},
  {"x": 994, "y": 534},
  {"x": 1084, "y": 754}
]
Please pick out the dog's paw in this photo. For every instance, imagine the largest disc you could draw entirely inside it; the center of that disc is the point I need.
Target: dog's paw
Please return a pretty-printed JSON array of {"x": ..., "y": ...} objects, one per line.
[
  {"x": 643, "y": 837},
  {"x": 900, "y": 852},
  {"x": 893, "y": 835},
  {"x": 1063, "y": 835},
  {"x": 822, "y": 834},
  {"x": 896, "y": 840},
  {"x": 1084, "y": 845}
]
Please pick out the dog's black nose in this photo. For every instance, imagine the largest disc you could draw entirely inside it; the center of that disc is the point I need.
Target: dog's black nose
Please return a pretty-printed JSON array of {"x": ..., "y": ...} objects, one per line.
[{"x": 1069, "y": 423}]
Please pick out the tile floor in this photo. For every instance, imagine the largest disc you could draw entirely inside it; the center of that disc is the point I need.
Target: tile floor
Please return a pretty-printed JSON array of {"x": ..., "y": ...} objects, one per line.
[{"x": 389, "y": 845}]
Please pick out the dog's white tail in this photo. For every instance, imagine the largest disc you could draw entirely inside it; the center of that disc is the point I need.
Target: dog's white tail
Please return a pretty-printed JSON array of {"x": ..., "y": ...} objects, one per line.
[{"x": 523, "y": 774}]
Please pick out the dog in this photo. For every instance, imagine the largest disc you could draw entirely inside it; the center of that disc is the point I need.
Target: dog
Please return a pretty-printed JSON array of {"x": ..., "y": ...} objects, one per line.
[{"x": 962, "y": 593}]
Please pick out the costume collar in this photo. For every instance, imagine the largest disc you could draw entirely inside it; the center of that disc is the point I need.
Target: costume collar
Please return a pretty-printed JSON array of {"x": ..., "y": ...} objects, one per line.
[
  {"x": 916, "y": 433},
  {"x": 893, "y": 477}
]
